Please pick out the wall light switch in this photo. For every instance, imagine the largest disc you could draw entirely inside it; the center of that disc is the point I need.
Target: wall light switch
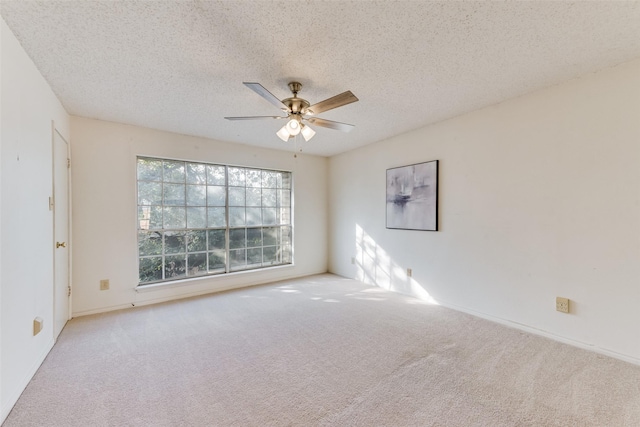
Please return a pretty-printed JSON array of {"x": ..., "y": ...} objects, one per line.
[{"x": 104, "y": 285}]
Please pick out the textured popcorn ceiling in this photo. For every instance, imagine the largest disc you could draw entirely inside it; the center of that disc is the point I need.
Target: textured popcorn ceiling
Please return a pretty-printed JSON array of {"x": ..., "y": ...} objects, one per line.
[{"x": 179, "y": 65}]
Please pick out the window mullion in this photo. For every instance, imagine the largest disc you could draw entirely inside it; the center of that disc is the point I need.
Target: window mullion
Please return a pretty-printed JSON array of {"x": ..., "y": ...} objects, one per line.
[
  {"x": 186, "y": 223},
  {"x": 163, "y": 229},
  {"x": 227, "y": 257}
]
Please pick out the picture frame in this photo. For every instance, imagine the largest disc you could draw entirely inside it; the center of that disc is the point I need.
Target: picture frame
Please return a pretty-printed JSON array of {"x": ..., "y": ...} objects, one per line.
[{"x": 412, "y": 197}]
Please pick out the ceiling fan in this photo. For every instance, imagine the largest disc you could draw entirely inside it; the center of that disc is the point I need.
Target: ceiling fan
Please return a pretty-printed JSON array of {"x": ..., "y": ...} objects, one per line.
[{"x": 299, "y": 110}]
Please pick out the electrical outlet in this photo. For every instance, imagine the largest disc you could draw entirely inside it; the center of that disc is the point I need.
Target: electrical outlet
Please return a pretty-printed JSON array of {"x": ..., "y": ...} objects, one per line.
[
  {"x": 38, "y": 323},
  {"x": 562, "y": 304},
  {"x": 104, "y": 285},
  {"x": 409, "y": 272},
  {"x": 353, "y": 260}
]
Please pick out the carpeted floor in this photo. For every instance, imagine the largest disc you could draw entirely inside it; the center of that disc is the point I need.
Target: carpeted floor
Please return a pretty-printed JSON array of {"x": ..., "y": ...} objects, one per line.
[{"x": 318, "y": 351}]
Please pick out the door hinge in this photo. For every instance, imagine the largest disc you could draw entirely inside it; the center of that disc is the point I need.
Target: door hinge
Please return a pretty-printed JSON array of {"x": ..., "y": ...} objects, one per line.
[
  {"x": 68, "y": 163},
  {"x": 68, "y": 291},
  {"x": 50, "y": 203}
]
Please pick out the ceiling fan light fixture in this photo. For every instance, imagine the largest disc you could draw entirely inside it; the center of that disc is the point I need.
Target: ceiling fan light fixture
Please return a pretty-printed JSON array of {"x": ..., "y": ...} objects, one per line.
[
  {"x": 283, "y": 133},
  {"x": 307, "y": 132},
  {"x": 293, "y": 126}
]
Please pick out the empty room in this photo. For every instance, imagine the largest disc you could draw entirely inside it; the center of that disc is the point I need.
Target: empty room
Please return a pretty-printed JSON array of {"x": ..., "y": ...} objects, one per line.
[{"x": 349, "y": 213}]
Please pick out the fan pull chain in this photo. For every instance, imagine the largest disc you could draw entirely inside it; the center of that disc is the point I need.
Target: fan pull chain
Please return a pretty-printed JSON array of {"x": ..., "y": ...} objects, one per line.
[{"x": 295, "y": 147}]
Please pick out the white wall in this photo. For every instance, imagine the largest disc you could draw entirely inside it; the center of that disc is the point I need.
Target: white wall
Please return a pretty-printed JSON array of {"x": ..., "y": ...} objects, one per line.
[
  {"x": 28, "y": 107},
  {"x": 539, "y": 197},
  {"x": 105, "y": 211}
]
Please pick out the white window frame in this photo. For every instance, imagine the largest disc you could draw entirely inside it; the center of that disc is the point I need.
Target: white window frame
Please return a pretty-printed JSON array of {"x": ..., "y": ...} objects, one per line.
[{"x": 181, "y": 216}]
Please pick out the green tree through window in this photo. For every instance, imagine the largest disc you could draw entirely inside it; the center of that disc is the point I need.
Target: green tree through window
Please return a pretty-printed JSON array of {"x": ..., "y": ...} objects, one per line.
[{"x": 198, "y": 219}]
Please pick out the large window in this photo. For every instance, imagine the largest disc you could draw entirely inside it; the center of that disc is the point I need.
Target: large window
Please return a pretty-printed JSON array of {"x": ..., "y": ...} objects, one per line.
[{"x": 197, "y": 219}]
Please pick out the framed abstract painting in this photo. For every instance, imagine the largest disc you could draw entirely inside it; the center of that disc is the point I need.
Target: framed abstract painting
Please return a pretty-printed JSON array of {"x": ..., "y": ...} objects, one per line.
[{"x": 412, "y": 197}]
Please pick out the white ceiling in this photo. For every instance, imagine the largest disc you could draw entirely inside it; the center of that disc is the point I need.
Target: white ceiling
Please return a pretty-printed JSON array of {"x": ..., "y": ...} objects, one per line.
[{"x": 179, "y": 65}]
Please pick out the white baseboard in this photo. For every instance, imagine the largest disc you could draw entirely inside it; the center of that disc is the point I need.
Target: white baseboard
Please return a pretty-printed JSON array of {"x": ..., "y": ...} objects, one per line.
[
  {"x": 14, "y": 395},
  {"x": 546, "y": 334},
  {"x": 575, "y": 343},
  {"x": 187, "y": 294}
]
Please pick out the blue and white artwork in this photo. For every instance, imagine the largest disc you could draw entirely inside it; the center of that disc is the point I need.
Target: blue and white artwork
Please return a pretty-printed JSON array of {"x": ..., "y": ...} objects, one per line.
[{"x": 412, "y": 197}]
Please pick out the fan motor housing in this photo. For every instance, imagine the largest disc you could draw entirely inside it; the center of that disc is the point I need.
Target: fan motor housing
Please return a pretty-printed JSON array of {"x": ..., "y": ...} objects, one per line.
[{"x": 296, "y": 105}]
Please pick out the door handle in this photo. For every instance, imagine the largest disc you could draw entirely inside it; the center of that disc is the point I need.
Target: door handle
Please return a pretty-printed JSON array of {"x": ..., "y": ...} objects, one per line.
[{"x": 61, "y": 245}]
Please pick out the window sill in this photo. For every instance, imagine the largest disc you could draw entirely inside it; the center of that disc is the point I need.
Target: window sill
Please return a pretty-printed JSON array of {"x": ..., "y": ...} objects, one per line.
[{"x": 194, "y": 280}]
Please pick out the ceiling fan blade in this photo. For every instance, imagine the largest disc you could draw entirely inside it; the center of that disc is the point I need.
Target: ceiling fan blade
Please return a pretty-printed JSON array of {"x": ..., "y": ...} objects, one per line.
[
  {"x": 334, "y": 102},
  {"x": 260, "y": 90},
  {"x": 344, "y": 127},
  {"x": 255, "y": 117}
]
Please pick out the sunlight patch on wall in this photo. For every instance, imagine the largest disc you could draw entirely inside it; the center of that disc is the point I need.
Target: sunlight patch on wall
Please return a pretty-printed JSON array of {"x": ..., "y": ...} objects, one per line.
[{"x": 374, "y": 266}]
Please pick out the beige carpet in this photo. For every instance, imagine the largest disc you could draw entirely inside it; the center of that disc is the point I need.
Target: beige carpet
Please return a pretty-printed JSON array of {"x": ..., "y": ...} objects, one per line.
[{"x": 318, "y": 351}]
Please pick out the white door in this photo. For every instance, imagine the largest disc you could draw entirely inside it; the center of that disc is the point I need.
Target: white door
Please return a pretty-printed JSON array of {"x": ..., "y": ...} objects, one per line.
[{"x": 62, "y": 288}]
